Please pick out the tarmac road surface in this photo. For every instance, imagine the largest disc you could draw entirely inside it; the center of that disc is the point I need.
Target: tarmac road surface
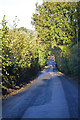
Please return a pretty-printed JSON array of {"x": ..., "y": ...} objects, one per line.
[{"x": 51, "y": 95}]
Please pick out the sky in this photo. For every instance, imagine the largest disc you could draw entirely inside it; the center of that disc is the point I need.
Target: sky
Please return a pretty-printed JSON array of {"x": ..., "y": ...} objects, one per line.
[{"x": 23, "y": 9}]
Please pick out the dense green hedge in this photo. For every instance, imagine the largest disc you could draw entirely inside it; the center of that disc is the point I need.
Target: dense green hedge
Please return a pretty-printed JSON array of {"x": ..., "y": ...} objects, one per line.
[
  {"x": 22, "y": 57},
  {"x": 67, "y": 59}
]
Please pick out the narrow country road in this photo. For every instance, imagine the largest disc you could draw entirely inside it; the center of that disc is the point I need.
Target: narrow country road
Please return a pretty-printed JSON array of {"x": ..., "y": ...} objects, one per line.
[{"x": 51, "y": 95}]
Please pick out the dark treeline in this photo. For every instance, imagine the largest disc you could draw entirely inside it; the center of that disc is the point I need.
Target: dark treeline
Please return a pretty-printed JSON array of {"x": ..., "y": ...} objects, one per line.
[{"x": 25, "y": 52}]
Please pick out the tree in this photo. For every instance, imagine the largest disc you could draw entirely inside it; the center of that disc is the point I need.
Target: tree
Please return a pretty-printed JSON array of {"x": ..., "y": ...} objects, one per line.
[{"x": 54, "y": 22}]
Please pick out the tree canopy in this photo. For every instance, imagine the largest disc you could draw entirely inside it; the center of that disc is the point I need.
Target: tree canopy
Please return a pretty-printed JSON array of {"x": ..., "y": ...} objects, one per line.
[{"x": 56, "y": 22}]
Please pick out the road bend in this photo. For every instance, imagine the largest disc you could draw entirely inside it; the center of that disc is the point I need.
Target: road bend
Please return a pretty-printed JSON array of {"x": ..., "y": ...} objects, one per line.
[{"x": 51, "y": 95}]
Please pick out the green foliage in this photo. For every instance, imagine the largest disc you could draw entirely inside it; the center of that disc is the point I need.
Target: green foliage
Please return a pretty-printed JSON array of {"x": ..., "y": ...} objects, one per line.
[
  {"x": 67, "y": 59},
  {"x": 21, "y": 56},
  {"x": 55, "y": 22},
  {"x": 24, "y": 52}
]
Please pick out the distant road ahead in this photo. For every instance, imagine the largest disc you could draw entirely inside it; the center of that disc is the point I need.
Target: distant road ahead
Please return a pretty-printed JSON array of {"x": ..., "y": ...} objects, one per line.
[{"x": 51, "y": 95}]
